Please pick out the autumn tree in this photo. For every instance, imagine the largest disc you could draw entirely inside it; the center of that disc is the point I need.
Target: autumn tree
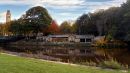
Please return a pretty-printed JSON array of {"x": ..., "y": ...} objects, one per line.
[
  {"x": 53, "y": 28},
  {"x": 65, "y": 28},
  {"x": 2, "y": 29}
]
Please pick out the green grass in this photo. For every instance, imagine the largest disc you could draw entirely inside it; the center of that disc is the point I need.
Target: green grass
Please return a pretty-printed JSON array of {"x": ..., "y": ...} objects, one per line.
[{"x": 14, "y": 64}]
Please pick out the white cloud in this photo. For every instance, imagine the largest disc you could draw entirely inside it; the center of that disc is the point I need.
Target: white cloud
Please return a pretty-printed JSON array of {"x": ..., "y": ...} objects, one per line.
[
  {"x": 64, "y": 3},
  {"x": 2, "y": 16},
  {"x": 76, "y": 5},
  {"x": 21, "y": 2},
  {"x": 65, "y": 14},
  {"x": 104, "y": 5},
  {"x": 42, "y": 2}
]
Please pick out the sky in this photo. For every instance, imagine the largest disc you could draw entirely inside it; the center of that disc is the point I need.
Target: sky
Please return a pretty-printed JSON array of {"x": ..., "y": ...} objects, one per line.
[{"x": 60, "y": 10}]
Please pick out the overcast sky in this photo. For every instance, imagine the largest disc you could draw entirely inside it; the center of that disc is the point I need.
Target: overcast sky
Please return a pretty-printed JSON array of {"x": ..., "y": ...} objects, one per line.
[{"x": 60, "y": 10}]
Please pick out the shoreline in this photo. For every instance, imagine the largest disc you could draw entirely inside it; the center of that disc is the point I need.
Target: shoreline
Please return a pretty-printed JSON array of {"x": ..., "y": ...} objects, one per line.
[
  {"x": 70, "y": 64},
  {"x": 65, "y": 44}
]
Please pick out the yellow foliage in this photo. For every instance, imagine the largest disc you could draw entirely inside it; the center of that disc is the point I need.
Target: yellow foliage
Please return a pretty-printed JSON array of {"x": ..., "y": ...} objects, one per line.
[{"x": 101, "y": 41}]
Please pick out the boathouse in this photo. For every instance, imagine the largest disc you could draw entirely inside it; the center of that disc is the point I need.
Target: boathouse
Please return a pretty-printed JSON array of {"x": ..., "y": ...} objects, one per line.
[
  {"x": 67, "y": 38},
  {"x": 58, "y": 38},
  {"x": 84, "y": 38}
]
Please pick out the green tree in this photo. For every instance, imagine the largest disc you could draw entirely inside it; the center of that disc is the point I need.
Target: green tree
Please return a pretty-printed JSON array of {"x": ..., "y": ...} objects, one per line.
[
  {"x": 85, "y": 25},
  {"x": 37, "y": 19},
  {"x": 16, "y": 28},
  {"x": 74, "y": 28}
]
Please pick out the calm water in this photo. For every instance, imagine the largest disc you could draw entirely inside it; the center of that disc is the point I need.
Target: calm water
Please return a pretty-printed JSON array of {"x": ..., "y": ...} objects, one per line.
[{"x": 74, "y": 54}]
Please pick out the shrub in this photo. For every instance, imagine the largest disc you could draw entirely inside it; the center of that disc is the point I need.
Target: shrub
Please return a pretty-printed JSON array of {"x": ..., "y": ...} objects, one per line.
[{"x": 112, "y": 64}]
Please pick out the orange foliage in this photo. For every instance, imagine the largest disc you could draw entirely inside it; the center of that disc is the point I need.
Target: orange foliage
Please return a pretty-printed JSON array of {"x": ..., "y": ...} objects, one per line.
[{"x": 53, "y": 28}]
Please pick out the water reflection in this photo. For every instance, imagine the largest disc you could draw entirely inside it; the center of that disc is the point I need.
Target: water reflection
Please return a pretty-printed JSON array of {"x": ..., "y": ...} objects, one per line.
[{"x": 75, "y": 54}]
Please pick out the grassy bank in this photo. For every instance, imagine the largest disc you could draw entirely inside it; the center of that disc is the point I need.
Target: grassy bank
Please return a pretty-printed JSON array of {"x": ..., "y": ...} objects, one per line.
[{"x": 13, "y": 64}]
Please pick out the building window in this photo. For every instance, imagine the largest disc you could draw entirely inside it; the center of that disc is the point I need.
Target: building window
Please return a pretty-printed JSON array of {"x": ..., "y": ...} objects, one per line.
[
  {"x": 82, "y": 40},
  {"x": 88, "y": 40}
]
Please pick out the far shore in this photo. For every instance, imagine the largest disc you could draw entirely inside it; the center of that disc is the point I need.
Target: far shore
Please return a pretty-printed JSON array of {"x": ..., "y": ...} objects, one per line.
[{"x": 64, "y": 44}]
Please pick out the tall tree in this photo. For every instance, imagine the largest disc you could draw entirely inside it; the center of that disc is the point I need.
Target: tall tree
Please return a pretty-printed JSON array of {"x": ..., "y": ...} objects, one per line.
[
  {"x": 85, "y": 25},
  {"x": 37, "y": 18}
]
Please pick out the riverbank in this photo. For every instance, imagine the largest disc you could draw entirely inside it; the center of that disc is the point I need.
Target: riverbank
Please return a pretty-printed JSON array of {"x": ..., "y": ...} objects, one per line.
[
  {"x": 15, "y": 64},
  {"x": 116, "y": 58},
  {"x": 114, "y": 44},
  {"x": 107, "y": 62},
  {"x": 63, "y": 44},
  {"x": 102, "y": 43}
]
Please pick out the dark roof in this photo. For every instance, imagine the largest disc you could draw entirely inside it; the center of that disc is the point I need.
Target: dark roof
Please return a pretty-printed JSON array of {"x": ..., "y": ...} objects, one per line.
[
  {"x": 84, "y": 36},
  {"x": 59, "y": 36},
  {"x": 76, "y": 36}
]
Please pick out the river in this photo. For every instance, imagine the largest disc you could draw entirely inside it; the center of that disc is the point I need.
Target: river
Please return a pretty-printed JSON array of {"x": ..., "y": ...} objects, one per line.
[{"x": 72, "y": 54}]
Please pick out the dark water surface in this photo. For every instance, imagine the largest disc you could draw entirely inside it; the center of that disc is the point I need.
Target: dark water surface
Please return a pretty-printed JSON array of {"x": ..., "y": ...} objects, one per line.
[{"x": 75, "y": 54}]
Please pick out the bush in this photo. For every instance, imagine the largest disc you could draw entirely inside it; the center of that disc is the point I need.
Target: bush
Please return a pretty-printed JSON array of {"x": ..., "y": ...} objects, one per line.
[{"x": 112, "y": 64}]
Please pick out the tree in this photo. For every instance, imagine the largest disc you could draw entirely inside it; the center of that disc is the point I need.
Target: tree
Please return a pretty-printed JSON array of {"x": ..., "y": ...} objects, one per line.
[
  {"x": 114, "y": 23},
  {"x": 124, "y": 22},
  {"x": 53, "y": 28},
  {"x": 65, "y": 28},
  {"x": 85, "y": 25},
  {"x": 37, "y": 18},
  {"x": 16, "y": 28},
  {"x": 74, "y": 28},
  {"x": 2, "y": 29}
]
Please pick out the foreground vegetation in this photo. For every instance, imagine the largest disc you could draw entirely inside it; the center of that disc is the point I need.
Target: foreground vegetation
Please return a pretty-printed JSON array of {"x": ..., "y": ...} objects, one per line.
[{"x": 13, "y": 64}]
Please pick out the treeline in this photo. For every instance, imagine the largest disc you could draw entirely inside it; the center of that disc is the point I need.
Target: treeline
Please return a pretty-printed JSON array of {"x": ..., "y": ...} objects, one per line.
[
  {"x": 35, "y": 20},
  {"x": 113, "y": 23}
]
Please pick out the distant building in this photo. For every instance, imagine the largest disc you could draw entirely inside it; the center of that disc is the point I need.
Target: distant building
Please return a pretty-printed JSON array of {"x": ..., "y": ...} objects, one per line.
[
  {"x": 84, "y": 38},
  {"x": 67, "y": 38},
  {"x": 58, "y": 38},
  {"x": 8, "y": 16}
]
